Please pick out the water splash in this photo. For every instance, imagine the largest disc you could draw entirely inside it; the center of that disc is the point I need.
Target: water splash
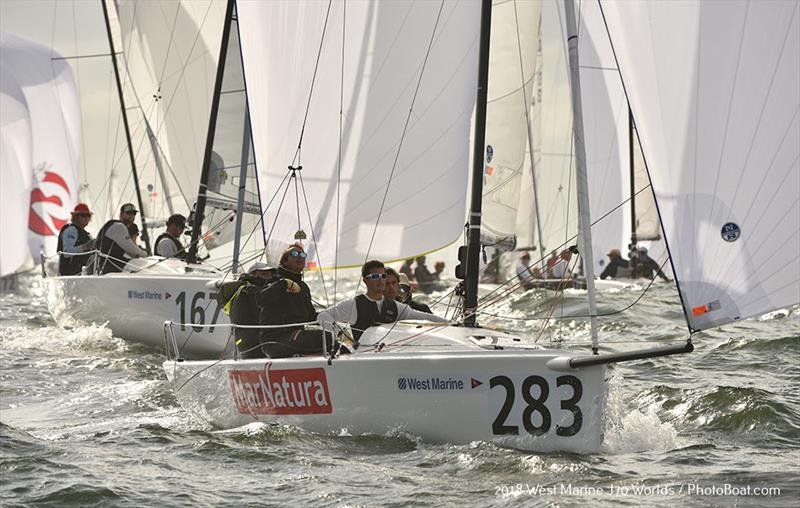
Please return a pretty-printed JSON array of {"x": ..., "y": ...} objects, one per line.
[
  {"x": 85, "y": 339},
  {"x": 628, "y": 430}
]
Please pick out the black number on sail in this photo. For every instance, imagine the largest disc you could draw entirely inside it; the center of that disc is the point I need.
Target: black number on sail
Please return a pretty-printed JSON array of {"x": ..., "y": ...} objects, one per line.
[
  {"x": 498, "y": 426},
  {"x": 535, "y": 405},
  {"x": 571, "y": 404}
]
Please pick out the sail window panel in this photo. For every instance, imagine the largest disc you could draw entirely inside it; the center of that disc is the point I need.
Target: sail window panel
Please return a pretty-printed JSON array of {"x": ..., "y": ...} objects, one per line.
[
  {"x": 381, "y": 62},
  {"x": 717, "y": 111}
]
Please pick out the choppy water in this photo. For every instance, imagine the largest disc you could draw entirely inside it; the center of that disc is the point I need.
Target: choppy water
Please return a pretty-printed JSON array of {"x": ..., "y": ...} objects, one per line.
[{"x": 87, "y": 419}]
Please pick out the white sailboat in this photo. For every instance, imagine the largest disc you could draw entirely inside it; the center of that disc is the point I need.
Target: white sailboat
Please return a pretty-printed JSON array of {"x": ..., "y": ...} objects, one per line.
[
  {"x": 455, "y": 384},
  {"x": 168, "y": 75}
]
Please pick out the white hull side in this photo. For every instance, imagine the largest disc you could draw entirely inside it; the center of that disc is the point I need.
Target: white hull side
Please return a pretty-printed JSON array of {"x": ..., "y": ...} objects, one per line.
[
  {"x": 136, "y": 306},
  {"x": 376, "y": 393}
]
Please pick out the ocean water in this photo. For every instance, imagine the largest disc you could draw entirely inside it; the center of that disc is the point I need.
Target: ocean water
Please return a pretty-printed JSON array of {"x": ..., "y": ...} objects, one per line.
[{"x": 87, "y": 419}]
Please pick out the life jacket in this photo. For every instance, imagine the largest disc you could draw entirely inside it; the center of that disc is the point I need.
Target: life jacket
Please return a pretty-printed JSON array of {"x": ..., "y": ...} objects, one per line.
[
  {"x": 179, "y": 248},
  {"x": 113, "y": 259},
  {"x": 71, "y": 264},
  {"x": 369, "y": 315},
  {"x": 244, "y": 310}
]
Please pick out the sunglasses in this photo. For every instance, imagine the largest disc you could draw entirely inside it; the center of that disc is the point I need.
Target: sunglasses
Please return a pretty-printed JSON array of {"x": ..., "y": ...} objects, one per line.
[
  {"x": 296, "y": 253},
  {"x": 375, "y": 276}
]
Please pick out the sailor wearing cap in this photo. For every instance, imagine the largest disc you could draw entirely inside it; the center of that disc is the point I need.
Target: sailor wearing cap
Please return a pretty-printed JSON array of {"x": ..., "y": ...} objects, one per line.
[
  {"x": 114, "y": 243},
  {"x": 168, "y": 244},
  {"x": 615, "y": 263},
  {"x": 73, "y": 239}
]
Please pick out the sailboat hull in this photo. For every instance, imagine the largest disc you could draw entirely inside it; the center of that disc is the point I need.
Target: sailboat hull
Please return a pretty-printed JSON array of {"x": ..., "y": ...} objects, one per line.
[
  {"x": 509, "y": 397},
  {"x": 135, "y": 307}
]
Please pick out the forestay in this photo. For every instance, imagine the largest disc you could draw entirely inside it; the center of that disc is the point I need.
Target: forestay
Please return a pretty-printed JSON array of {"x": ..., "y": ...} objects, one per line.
[
  {"x": 717, "y": 111},
  {"x": 393, "y": 57}
]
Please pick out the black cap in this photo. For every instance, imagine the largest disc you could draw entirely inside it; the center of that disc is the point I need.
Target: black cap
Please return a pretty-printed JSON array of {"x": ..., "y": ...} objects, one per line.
[
  {"x": 128, "y": 208},
  {"x": 177, "y": 219}
]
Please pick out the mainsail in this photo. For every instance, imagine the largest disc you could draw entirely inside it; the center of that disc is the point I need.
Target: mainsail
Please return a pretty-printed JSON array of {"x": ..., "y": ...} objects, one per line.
[
  {"x": 48, "y": 88},
  {"x": 717, "y": 112},
  {"x": 386, "y": 178}
]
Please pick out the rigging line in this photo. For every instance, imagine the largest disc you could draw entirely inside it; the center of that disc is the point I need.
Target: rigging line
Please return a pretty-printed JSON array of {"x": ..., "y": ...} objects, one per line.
[
  {"x": 183, "y": 71},
  {"x": 296, "y": 158},
  {"x": 260, "y": 220},
  {"x": 316, "y": 245},
  {"x": 169, "y": 44},
  {"x": 559, "y": 295},
  {"x": 573, "y": 316},
  {"x": 280, "y": 207},
  {"x": 574, "y": 237},
  {"x": 339, "y": 166},
  {"x": 403, "y": 135},
  {"x": 647, "y": 167}
]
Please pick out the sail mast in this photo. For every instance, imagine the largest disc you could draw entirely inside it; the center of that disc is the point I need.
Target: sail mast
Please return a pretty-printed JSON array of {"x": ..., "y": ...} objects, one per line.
[
  {"x": 584, "y": 219},
  {"x": 145, "y": 236},
  {"x": 212, "y": 124},
  {"x": 474, "y": 231},
  {"x": 632, "y": 167}
]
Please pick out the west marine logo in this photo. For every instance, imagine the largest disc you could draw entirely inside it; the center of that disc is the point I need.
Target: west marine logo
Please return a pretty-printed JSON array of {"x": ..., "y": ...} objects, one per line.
[
  {"x": 433, "y": 383},
  {"x": 144, "y": 295},
  {"x": 280, "y": 392}
]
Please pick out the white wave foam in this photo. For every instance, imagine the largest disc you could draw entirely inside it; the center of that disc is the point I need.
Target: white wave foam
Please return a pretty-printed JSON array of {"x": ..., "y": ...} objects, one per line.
[
  {"x": 92, "y": 338},
  {"x": 628, "y": 430}
]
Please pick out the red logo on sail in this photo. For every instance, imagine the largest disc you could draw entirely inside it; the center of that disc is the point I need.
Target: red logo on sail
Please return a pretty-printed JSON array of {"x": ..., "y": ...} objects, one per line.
[
  {"x": 280, "y": 392},
  {"x": 49, "y": 209}
]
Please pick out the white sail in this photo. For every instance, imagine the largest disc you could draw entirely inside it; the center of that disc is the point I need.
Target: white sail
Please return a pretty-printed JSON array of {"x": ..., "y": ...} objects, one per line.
[
  {"x": 170, "y": 51},
  {"x": 605, "y": 122},
  {"x": 49, "y": 91},
  {"x": 512, "y": 62},
  {"x": 717, "y": 112},
  {"x": 403, "y": 188},
  {"x": 16, "y": 172}
]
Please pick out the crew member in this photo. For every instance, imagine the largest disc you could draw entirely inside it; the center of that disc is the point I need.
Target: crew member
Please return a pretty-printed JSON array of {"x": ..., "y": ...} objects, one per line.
[
  {"x": 524, "y": 274},
  {"x": 113, "y": 242},
  {"x": 616, "y": 261},
  {"x": 405, "y": 296},
  {"x": 168, "y": 244},
  {"x": 647, "y": 267},
  {"x": 239, "y": 299},
  {"x": 74, "y": 239},
  {"x": 287, "y": 301},
  {"x": 372, "y": 308}
]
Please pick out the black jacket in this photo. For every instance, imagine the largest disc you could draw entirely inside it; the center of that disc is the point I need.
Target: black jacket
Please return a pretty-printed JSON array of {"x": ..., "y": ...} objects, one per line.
[{"x": 277, "y": 306}]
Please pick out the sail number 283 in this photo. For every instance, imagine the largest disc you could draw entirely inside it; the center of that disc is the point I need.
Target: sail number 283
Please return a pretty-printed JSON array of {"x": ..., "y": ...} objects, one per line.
[{"x": 536, "y": 417}]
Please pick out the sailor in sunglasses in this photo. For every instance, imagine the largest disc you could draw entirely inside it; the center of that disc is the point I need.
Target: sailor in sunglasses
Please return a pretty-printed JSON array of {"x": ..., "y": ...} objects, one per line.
[
  {"x": 287, "y": 301},
  {"x": 372, "y": 308}
]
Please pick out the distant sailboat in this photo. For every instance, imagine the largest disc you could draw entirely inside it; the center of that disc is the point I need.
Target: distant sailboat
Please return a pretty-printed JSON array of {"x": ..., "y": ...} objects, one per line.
[{"x": 41, "y": 150}]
